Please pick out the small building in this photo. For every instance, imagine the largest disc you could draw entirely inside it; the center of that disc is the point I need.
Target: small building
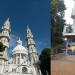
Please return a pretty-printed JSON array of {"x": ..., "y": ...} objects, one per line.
[{"x": 69, "y": 34}]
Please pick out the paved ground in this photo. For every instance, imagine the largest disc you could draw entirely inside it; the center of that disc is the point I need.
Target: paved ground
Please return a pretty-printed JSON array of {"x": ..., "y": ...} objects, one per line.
[{"x": 63, "y": 66}]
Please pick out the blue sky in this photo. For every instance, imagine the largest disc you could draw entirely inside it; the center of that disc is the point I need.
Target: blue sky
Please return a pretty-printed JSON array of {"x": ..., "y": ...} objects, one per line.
[{"x": 34, "y": 13}]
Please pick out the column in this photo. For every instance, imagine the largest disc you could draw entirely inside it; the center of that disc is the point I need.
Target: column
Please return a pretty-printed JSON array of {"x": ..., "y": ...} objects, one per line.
[{"x": 20, "y": 59}]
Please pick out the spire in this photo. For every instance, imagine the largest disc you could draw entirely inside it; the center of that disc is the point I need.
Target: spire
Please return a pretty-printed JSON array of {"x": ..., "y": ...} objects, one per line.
[
  {"x": 31, "y": 46},
  {"x": 19, "y": 42},
  {"x": 6, "y": 24},
  {"x": 29, "y": 33},
  {"x": 28, "y": 28},
  {"x": 30, "y": 36}
]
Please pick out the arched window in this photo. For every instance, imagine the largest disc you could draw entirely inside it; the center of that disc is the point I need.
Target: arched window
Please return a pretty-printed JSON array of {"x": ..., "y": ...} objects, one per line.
[
  {"x": 18, "y": 61},
  {"x": 24, "y": 70}
]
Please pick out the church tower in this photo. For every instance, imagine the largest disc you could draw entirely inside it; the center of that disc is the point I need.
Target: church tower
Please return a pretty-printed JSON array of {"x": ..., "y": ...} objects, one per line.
[
  {"x": 31, "y": 47},
  {"x": 33, "y": 56},
  {"x": 5, "y": 37}
]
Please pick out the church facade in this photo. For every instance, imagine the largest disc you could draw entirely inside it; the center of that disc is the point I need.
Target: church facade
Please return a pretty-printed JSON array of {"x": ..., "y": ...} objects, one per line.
[{"x": 24, "y": 61}]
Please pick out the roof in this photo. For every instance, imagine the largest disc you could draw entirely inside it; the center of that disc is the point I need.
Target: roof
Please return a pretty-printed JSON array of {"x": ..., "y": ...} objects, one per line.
[{"x": 19, "y": 48}]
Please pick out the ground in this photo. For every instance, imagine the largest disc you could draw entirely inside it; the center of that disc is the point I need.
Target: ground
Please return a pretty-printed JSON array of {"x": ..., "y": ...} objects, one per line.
[{"x": 63, "y": 66}]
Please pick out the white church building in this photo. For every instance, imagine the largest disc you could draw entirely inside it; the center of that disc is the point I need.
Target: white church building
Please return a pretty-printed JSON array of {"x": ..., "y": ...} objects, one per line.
[{"x": 24, "y": 61}]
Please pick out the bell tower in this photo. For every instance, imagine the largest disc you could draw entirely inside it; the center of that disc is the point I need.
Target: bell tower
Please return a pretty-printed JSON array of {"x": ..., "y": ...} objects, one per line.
[
  {"x": 33, "y": 56},
  {"x": 4, "y": 36},
  {"x": 31, "y": 47}
]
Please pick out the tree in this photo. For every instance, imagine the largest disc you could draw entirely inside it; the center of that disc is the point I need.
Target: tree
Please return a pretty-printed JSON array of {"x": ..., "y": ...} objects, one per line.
[
  {"x": 2, "y": 47},
  {"x": 57, "y": 22},
  {"x": 53, "y": 20},
  {"x": 45, "y": 61}
]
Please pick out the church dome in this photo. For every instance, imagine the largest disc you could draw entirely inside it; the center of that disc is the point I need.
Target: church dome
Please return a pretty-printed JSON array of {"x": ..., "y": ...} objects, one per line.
[{"x": 19, "y": 48}]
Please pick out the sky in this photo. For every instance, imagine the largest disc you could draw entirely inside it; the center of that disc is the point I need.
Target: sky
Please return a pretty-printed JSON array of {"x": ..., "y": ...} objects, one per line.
[
  {"x": 34, "y": 13},
  {"x": 69, "y": 6}
]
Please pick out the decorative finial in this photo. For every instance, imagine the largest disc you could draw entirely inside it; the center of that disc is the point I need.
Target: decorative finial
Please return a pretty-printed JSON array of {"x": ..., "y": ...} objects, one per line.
[
  {"x": 7, "y": 22},
  {"x": 19, "y": 38},
  {"x": 8, "y": 19},
  {"x": 28, "y": 29},
  {"x": 29, "y": 32},
  {"x": 27, "y": 26},
  {"x": 19, "y": 42}
]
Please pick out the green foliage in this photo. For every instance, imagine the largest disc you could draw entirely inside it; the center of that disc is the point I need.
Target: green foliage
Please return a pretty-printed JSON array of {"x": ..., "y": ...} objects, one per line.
[
  {"x": 54, "y": 4},
  {"x": 45, "y": 61},
  {"x": 57, "y": 22},
  {"x": 2, "y": 47},
  {"x": 60, "y": 48},
  {"x": 61, "y": 7}
]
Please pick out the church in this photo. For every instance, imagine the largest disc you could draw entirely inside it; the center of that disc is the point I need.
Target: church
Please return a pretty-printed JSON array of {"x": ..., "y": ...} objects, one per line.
[{"x": 24, "y": 61}]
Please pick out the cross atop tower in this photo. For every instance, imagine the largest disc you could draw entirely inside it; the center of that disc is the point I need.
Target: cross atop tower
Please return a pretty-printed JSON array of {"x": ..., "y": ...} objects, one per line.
[{"x": 31, "y": 46}]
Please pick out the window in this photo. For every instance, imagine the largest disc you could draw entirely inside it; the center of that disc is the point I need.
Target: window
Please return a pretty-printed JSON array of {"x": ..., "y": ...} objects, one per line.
[
  {"x": 22, "y": 56},
  {"x": 13, "y": 70},
  {"x": 73, "y": 40},
  {"x": 69, "y": 29},
  {"x": 18, "y": 60},
  {"x": 24, "y": 70}
]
